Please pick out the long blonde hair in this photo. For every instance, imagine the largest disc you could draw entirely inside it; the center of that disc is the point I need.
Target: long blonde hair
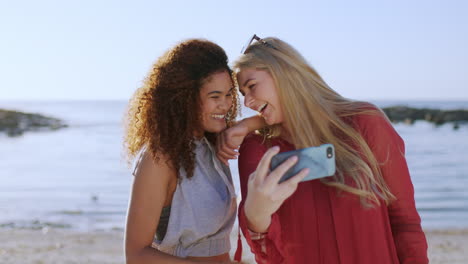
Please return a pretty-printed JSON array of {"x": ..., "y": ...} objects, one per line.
[{"x": 305, "y": 96}]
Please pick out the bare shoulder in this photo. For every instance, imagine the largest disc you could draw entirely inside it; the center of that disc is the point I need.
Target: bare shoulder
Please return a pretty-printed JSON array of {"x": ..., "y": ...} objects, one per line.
[
  {"x": 153, "y": 178},
  {"x": 154, "y": 169}
]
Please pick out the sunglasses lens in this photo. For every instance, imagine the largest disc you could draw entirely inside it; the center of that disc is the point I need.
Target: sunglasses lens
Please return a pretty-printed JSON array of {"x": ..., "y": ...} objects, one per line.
[{"x": 247, "y": 44}]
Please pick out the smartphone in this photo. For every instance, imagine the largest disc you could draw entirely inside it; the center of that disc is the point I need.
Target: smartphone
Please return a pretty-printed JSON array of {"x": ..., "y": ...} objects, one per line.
[{"x": 320, "y": 160}]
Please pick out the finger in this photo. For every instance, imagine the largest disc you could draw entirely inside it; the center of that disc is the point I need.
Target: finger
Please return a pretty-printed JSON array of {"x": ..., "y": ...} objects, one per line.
[
  {"x": 221, "y": 158},
  {"x": 264, "y": 164},
  {"x": 219, "y": 145},
  {"x": 226, "y": 162},
  {"x": 298, "y": 177},
  {"x": 279, "y": 171},
  {"x": 223, "y": 146},
  {"x": 252, "y": 176},
  {"x": 220, "y": 140},
  {"x": 225, "y": 156},
  {"x": 221, "y": 155},
  {"x": 229, "y": 143},
  {"x": 229, "y": 150},
  {"x": 288, "y": 187}
]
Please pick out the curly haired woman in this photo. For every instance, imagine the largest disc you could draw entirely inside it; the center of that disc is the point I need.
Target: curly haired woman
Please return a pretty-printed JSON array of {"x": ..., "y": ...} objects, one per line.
[{"x": 183, "y": 205}]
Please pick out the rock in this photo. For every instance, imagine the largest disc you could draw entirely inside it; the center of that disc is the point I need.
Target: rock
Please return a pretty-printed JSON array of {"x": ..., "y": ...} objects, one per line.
[
  {"x": 439, "y": 117},
  {"x": 15, "y": 123}
]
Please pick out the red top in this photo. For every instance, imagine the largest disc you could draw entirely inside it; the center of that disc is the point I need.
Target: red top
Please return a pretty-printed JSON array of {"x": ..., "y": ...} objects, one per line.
[{"x": 318, "y": 225}]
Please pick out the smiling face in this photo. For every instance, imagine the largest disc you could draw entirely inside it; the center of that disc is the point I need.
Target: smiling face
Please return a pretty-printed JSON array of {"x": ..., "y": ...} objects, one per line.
[
  {"x": 216, "y": 100},
  {"x": 259, "y": 90}
]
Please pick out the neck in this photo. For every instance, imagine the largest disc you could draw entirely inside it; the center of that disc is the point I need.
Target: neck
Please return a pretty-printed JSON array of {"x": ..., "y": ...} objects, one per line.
[
  {"x": 285, "y": 134},
  {"x": 199, "y": 134}
]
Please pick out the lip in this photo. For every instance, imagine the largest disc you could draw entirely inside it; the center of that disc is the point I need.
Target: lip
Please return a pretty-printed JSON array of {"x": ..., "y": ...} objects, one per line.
[
  {"x": 218, "y": 117},
  {"x": 264, "y": 109},
  {"x": 260, "y": 108}
]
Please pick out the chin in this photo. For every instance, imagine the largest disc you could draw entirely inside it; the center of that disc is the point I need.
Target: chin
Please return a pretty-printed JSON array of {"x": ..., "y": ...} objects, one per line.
[
  {"x": 215, "y": 129},
  {"x": 269, "y": 121}
]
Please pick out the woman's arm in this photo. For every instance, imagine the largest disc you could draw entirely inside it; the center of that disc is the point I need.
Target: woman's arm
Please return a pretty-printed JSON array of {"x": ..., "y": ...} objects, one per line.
[
  {"x": 262, "y": 195},
  {"x": 389, "y": 150},
  {"x": 149, "y": 192},
  {"x": 253, "y": 123},
  {"x": 229, "y": 140}
]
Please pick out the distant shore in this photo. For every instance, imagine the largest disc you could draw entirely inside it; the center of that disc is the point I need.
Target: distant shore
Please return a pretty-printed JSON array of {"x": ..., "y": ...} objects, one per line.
[
  {"x": 15, "y": 123},
  {"x": 103, "y": 247},
  {"x": 439, "y": 117}
]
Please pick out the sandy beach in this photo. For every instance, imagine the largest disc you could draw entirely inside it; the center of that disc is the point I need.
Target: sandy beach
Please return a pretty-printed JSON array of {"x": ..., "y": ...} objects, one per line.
[{"x": 66, "y": 246}]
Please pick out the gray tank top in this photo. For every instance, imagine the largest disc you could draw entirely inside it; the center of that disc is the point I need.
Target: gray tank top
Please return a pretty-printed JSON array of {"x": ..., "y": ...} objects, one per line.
[{"x": 203, "y": 209}]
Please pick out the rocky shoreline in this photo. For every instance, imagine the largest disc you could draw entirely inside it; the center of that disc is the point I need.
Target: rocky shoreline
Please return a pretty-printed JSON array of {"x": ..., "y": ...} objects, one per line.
[
  {"x": 15, "y": 123},
  {"x": 437, "y": 116}
]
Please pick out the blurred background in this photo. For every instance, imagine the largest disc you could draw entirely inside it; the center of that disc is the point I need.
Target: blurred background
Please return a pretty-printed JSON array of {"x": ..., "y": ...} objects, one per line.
[{"x": 80, "y": 62}]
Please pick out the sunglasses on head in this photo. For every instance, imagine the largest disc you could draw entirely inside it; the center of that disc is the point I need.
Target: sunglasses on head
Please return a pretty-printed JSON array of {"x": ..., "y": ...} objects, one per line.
[{"x": 257, "y": 38}]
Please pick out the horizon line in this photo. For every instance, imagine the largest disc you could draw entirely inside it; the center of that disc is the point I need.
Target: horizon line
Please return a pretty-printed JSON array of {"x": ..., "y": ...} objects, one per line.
[{"x": 12, "y": 100}]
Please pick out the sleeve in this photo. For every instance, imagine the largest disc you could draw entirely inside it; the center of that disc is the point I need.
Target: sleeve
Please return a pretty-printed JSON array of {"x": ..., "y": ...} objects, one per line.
[
  {"x": 389, "y": 150},
  {"x": 269, "y": 248}
]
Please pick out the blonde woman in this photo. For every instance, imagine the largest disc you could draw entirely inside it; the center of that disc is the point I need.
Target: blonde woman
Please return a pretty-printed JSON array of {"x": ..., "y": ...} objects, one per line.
[{"x": 364, "y": 214}]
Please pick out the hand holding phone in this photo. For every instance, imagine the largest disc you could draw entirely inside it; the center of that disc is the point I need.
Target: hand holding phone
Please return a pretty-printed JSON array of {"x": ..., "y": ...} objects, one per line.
[
  {"x": 320, "y": 160},
  {"x": 265, "y": 195}
]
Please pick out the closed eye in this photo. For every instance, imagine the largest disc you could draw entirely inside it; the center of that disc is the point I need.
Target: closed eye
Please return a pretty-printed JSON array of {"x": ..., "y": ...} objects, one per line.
[
  {"x": 229, "y": 93},
  {"x": 249, "y": 87}
]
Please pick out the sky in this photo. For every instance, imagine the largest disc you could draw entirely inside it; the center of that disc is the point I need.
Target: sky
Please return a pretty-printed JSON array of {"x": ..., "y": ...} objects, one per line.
[{"x": 102, "y": 50}]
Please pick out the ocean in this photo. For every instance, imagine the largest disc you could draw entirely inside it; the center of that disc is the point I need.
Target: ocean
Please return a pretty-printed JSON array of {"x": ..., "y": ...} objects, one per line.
[{"x": 77, "y": 177}]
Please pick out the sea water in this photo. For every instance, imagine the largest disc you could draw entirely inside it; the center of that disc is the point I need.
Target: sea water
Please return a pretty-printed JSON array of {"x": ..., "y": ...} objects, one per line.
[{"x": 77, "y": 177}]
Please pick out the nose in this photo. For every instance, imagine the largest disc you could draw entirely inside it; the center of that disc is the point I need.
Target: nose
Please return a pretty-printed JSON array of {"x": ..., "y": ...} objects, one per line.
[
  {"x": 248, "y": 100},
  {"x": 225, "y": 104}
]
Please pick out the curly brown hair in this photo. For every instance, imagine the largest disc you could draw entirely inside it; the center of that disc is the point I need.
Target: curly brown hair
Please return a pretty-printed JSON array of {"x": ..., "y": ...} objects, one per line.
[{"x": 166, "y": 111}]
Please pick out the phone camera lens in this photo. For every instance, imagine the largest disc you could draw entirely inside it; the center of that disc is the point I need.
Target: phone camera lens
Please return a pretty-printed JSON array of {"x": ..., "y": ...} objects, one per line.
[{"x": 329, "y": 152}]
